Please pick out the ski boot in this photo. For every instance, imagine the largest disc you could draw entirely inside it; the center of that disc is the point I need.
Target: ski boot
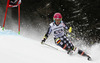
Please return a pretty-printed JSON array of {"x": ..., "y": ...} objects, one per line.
[
  {"x": 89, "y": 58},
  {"x": 70, "y": 52}
]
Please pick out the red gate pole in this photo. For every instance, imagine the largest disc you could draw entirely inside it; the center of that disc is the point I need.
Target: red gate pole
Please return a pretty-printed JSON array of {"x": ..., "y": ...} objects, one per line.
[
  {"x": 5, "y": 14},
  {"x": 18, "y": 19}
]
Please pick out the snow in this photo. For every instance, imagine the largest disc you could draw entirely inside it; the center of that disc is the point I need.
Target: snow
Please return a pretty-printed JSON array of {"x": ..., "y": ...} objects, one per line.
[
  {"x": 18, "y": 49},
  {"x": 98, "y": 28}
]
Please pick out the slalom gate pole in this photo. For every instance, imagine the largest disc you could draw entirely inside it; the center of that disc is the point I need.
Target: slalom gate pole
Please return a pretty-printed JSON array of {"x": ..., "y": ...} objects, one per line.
[
  {"x": 50, "y": 46},
  {"x": 18, "y": 19},
  {"x": 5, "y": 14}
]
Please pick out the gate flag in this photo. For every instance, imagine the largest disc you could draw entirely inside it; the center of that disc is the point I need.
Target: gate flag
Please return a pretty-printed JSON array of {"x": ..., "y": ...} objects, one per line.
[{"x": 14, "y": 3}]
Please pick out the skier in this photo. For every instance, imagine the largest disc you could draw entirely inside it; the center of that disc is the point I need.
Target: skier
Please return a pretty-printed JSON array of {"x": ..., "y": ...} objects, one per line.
[
  {"x": 57, "y": 27},
  {"x": 14, "y": 2}
]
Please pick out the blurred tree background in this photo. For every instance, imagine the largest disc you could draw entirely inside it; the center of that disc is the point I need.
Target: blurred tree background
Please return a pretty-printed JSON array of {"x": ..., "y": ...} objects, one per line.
[{"x": 82, "y": 15}]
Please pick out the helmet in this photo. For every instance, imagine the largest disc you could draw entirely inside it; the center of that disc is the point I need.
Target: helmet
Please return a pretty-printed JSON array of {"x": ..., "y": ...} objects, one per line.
[{"x": 57, "y": 16}]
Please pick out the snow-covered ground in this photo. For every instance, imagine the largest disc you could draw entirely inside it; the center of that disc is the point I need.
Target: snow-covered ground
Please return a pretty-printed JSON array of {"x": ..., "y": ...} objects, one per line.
[{"x": 18, "y": 49}]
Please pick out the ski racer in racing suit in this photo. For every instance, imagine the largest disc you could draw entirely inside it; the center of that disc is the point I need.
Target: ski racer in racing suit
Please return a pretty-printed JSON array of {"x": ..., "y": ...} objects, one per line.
[{"x": 57, "y": 28}]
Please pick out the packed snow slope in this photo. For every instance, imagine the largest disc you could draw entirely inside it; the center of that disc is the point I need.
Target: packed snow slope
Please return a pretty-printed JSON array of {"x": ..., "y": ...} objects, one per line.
[{"x": 18, "y": 49}]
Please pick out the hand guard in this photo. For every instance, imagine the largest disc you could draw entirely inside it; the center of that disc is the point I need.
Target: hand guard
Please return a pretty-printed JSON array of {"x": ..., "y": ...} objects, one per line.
[
  {"x": 44, "y": 39},
  {"x": 42, "y": 42},
  {"x": 70, "y": 30}
]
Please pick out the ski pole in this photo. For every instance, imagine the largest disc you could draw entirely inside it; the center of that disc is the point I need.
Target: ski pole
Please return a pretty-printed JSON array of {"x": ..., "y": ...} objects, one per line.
[
  {"x": 53, "y": 47},
  {"x": 50, "y": 46}
]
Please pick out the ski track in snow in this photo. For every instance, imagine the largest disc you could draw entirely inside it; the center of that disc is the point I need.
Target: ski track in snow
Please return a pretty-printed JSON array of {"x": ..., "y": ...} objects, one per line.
[{"x": 18, "y": 49}]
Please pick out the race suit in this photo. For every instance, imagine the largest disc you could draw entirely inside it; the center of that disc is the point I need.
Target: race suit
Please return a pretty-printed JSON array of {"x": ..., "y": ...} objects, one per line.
[
  {"x": 59, "y": 34},
  {"x": 61, "y": 38}
]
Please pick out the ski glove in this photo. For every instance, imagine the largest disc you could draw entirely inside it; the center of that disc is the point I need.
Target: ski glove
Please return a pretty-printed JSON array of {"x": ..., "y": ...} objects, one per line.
[
  {"x": 44, "y": 39},
  {"x": 70, "y": 30}
]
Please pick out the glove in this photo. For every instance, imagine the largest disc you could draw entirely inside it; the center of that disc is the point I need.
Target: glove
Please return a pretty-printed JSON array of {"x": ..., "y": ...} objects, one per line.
[
  {"x": 42, "y": 42},
  {"x": 44, "y": 39},
  {"x": 70, "y": 30}
]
